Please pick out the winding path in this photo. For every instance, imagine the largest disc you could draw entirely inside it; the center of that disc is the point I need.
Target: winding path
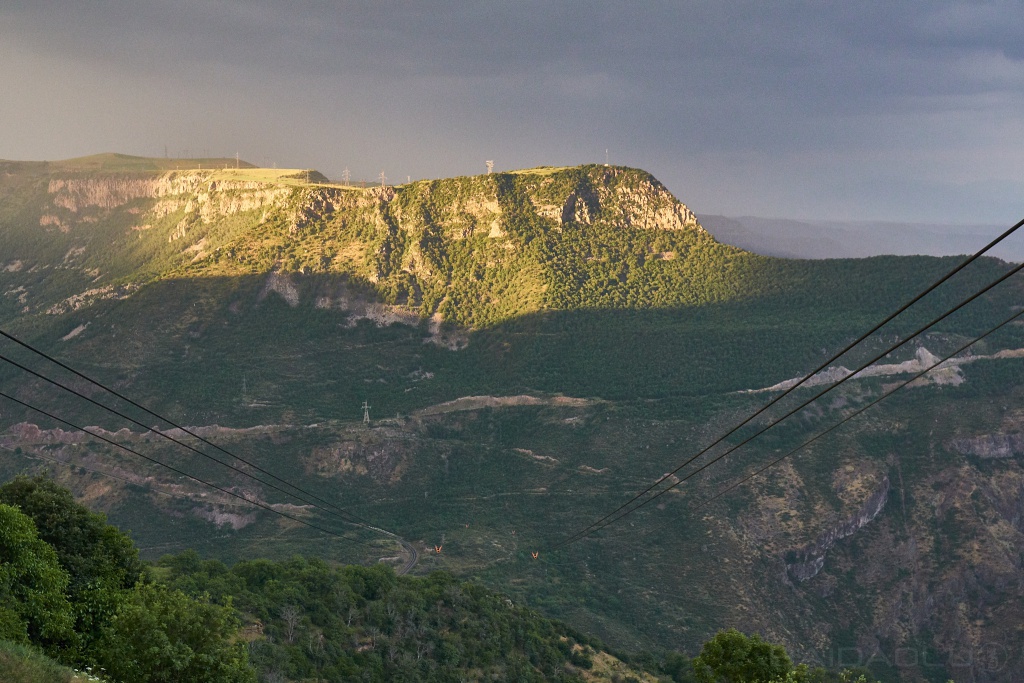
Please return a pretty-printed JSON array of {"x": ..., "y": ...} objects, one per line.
[{"x": 414, "y": 556}]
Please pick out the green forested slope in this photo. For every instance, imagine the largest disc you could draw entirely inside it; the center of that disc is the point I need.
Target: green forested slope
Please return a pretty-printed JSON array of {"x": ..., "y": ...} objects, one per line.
[
  {"x": 590, "y": 281},
  {"x": 266, "y": 309},
  {"x": 190, "y": 620}
]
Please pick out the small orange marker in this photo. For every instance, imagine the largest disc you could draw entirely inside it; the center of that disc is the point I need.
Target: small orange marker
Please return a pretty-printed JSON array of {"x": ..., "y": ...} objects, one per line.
[
  {"x": 535, "y": 554},
  {"x": 437, "y": 549}
]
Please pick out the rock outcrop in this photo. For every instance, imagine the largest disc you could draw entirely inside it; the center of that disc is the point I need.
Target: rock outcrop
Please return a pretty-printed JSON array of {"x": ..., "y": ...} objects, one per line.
[
  {"x": 805, "y": 563},
  {"x": 990, "y": 445}
]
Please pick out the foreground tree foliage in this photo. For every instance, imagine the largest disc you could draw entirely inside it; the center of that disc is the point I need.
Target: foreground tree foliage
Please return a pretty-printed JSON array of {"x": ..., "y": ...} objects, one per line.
[
  {"x": 101, "y": 562},
  {"x": 731, "y": 657},
  {"x": 734, "y": 657},
  {"x": 33, "y": 606},
  {"x": 163, "y": 636},
  {"x": 73, "y": 585}
]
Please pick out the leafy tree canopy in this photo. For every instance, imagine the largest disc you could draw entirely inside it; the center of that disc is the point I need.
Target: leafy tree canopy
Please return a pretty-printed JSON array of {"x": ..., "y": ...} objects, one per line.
[
  {"x": 32, "y": 584},
  {"x": 734, "y": 657},
  {"x": 88, "y": 548},
  {"x": 163, "y": 636}
]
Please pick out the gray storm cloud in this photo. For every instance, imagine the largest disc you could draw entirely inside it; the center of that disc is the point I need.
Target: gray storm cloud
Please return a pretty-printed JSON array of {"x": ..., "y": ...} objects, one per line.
[{"x": 899, "y": 111}]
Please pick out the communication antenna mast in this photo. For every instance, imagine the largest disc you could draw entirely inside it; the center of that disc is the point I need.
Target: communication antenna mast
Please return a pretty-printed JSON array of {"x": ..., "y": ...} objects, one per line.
[
  {"x": 236, "y": 159},
  {"x": 606, "y": 157},
  {"x": 346, "y": 176},
  {"x": 490, "y": 166},
  {"x": 383, "y": 179},
  {"x": 366, "y": 413}
]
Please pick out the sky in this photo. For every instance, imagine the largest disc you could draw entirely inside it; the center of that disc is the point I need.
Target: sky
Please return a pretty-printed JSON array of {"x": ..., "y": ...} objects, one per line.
[{"x": 885, "y": 111}]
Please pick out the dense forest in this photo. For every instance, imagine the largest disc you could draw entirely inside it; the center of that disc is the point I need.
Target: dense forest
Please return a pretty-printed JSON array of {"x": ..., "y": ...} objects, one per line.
[{"x": 77, "y": 604}]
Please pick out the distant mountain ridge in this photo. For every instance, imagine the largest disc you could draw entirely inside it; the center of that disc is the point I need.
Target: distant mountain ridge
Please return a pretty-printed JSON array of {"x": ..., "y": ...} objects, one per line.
[{"x": 818, "y": 239}]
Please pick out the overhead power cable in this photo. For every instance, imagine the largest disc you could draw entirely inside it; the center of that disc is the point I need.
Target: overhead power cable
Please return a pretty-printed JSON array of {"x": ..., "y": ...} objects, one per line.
[
  {"x": 792, "y": 412},
  {"x": 176, "y": 441},
  {"x": 618, "y": 513},
  {"x": 177, "y": 471},
  {"x": 310, "y": 498},
  {"x": 854, "y": 414}
]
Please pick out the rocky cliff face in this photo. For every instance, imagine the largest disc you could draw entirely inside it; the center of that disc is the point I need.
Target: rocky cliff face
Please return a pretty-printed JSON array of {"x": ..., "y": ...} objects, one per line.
[
  {"x": 614, "y": 195},
  {"x": 806, "y": 562},
  {"x": 198, "y": 193},
  {"x": 471, "y": 251},
  {"x": 109, "y": 192},
  {"x": 990, "y": 445}
]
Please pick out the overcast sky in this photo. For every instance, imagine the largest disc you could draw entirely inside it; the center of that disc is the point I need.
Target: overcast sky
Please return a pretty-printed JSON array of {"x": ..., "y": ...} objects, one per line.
[{"x": 904, "y": 111}]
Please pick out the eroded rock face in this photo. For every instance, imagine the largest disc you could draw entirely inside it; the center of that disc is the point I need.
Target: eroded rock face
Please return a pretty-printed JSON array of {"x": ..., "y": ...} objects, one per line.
[
  {"x": 990, "y": 445},
  {"x": 643, "y": 204},
  {"x": 109, "y": 192},
  {"x": 195, "y": 192},
  {"x": 581, "y": 204},
  {"x": 808, "y": 561},
  {"x": 382, "y": 457},
  {"x": 91, "y": 296}
]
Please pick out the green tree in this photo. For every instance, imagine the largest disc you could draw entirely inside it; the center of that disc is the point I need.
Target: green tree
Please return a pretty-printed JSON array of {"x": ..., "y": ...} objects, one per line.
[
  {"x": 163, "y": 636},
  {"x": 88, "y": 548},
  {"x": 33, "y": 606},
  {"x": 102, "y": 563},
  {"x": 734, "y": 657}
]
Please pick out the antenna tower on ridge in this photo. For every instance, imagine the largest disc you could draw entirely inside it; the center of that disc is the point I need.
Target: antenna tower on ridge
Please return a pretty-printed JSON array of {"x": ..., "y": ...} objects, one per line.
[
  {"x": 366, "y": 413},
  {"x": 383, "y": 179},
  {"x": 346, "y": 176},
  {"x": 490, "y": 166}
]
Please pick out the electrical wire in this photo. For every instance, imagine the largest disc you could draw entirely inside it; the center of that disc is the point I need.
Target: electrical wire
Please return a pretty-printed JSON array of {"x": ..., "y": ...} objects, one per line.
[
  {"x": 787, "y": 415},
  {"x": 594, "y": 526},
  {"x": 854, "y": 414},
  {"x": 309, "y": 497},
  {"x": 170, "y": 438},
  {"x": 178, "y": 471},
  {"x": 614, "y": 515}
]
